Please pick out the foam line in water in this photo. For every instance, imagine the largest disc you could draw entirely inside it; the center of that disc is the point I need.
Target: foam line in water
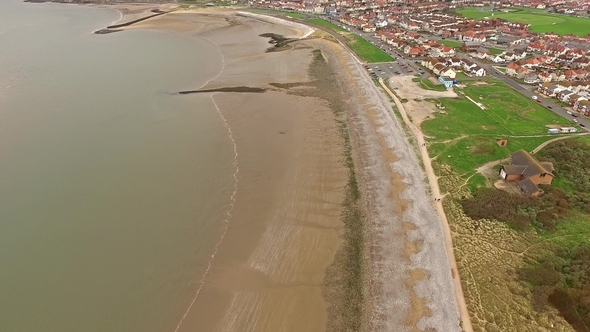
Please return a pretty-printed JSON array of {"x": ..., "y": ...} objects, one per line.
[{"x": 228, "y": 214}]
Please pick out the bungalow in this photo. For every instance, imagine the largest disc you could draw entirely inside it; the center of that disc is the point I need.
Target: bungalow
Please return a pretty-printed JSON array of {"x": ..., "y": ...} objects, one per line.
[
  {"x": 478, "y": 71},
  {"x": 496, "y": 58},
  {"x": 545, "y": 76},
  {"x": 522, "y": 71},
  {"x": 448, "y": 72},
  {"x": 531, "y": 78},
  {"x": 482, "y": 53},
  {"x": 527, "y": 172},
  {"x": 563, "y": 96},
  {"x": 468, "y": 65},
  {"x": 512, "y": 68},
  {"x": 447, "y": 51},
  {"x": 369, "y": 28},
  {"x": 453, "y": 62}
]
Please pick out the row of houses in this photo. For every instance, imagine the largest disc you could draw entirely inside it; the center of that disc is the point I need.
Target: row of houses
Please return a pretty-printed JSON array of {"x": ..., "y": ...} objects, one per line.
[
  {"x": 450, "y": 66},
  {"x": 575, "y": 94}
]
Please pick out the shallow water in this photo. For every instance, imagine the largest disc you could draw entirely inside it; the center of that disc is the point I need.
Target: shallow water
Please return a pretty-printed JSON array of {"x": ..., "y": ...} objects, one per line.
[{"x": 113, "y": 190}]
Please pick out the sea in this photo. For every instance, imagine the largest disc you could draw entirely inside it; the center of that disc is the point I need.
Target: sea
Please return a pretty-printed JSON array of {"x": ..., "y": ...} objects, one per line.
[{"x": 114, "y": 189}]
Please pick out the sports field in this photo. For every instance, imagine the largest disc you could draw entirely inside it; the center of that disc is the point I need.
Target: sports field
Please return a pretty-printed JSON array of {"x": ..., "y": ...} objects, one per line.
[{"x": 540, "y": 21}]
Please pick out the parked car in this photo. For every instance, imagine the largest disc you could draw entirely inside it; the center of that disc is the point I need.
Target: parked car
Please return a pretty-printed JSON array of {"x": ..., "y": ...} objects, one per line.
[
  {"x": 539, "y": 101},
  {"x": 574, "y": 115},
  {"x": 549, "y": 107},
  {"x": 575, "y": 120},
  {"x": 582, "y": 125},
  {"x": 569, "y": 112}
]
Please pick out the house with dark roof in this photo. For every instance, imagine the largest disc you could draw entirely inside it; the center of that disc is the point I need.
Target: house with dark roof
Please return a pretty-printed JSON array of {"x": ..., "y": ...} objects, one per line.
[{"x": 527, "y": 172}]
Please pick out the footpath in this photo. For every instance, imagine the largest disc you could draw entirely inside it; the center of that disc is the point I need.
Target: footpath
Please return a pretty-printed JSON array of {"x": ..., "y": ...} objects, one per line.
[{"x": 433, "y": 180}]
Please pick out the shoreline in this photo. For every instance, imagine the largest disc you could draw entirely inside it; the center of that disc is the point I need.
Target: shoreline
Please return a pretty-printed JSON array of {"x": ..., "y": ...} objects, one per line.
[
  {"x": 376, "y": 155},
  {"x": 302, "y": 252}
]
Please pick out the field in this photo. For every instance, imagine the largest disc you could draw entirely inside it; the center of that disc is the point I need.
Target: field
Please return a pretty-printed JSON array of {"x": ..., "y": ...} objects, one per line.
[
  {"x": 464, "y": 136},
  {"x": 451, "y": 43},
  {"x": 296, "y": 15},
  {"x": 362, "y": 48},
  {"x": 454, "y": 43},
  {"x": 540, "y": 21},
  {"x": 428, "y": 85}
]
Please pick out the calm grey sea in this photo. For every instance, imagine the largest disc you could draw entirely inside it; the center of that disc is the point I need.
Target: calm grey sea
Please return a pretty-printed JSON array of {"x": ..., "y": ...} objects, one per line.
[{"x": 113, "y": 190}]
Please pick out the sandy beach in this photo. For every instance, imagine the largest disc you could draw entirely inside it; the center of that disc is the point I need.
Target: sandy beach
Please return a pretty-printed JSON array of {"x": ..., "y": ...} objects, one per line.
[{"x": 331, "y": 227}]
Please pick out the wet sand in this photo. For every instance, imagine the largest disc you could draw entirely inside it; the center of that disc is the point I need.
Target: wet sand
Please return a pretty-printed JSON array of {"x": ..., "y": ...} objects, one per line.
[{"x": 283, "y": 230}]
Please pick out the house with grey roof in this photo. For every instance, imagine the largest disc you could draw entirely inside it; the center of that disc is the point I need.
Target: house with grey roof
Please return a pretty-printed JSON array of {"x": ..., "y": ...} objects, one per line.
[{"x": 527, "y": 172}]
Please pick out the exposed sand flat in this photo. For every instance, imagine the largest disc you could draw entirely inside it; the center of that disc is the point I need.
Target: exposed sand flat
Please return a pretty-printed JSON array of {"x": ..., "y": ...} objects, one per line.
[{"x": 283, "y": 230}]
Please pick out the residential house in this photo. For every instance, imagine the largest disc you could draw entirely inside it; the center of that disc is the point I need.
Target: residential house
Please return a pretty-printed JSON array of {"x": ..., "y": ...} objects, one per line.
[
  {"x": 512, "y": 68},
  {"x": 528, "y": 172},
  {"x": 531, "y": 78},
  {"x": 448, "y": 72},
  {"x": 470, "y": 46},
  {"x": 545, "y": 76},
  {"x": 468, "y": 65},
  {"x": 478, "y": 71},
  {"x": 482, "y": 53},
  {"x": 583, "y": 106}
]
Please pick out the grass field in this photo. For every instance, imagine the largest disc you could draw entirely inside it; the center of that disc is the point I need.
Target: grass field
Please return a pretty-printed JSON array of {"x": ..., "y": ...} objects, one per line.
[
  {"x": 362, "y": 48},
  {"x": 464, "y": 136},
  {"x": 494, "y": 50},
  {"x": 428, "y": 85},
  {"x": 539, "y": 20},
  {"x": 454, "y": 43},
  {"x": 296, "y": 15},
  {"x": 451, "y": 43}
]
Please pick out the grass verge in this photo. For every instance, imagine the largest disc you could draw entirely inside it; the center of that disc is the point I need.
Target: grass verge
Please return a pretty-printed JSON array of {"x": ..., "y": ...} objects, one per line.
[{"x": 361, "y": 47}]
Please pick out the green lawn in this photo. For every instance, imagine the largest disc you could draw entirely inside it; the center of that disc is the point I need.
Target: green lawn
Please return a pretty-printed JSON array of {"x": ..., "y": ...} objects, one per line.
[
  {"x": 428, "y": 85},
  {"x": 452, "y": 43},
  {"x": 362, "y": 48},
  {"x": 367, "y": 51},
  {"x": 495, "y": 50},
  {"x": 326, "y": 24},
  {"x": 296, "y": 15},
  {"x": 464, "y": 136},
  {"x": 540, "y": 21}
]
